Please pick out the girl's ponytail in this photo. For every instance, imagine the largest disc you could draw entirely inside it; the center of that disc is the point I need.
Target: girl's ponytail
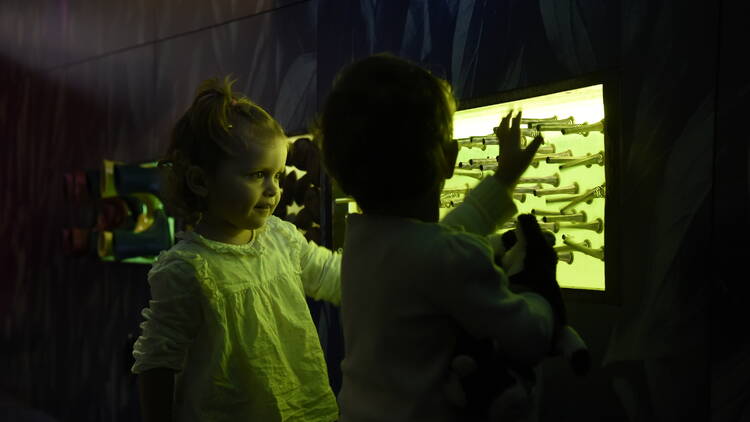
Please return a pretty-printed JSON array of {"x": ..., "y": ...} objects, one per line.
[{"x": 219, "y": 124}]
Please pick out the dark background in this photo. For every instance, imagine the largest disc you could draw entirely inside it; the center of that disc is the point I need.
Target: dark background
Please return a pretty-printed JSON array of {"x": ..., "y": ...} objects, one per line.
[{"x": 82, "y": 80}]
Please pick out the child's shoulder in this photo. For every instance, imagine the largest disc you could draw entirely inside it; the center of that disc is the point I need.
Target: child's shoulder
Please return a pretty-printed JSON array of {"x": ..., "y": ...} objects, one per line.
[
  {"x": 457, "y": 234},
  {"x": 278, "y": 227},
  {"x": 177, "y": 271},
  {"x": 275, "y": 223},
  {"x": 181, "y": 257}
]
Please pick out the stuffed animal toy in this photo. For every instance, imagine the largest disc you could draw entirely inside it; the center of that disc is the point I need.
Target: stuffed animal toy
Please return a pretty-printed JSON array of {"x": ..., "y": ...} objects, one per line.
[{"x": 490, "y": 387}]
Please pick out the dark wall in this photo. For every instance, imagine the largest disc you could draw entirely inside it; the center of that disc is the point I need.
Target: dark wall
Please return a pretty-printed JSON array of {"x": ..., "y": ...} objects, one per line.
[
  {"x": 84, "y": 80},
  {"x": 730, "y": 344}
]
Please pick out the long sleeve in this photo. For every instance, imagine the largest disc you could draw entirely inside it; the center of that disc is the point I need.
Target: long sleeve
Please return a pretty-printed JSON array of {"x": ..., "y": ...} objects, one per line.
[
  {"x": 475, "y": 292},
  {"x": 486, "y": 207},
  {"x": 321, "y": 271},
  {"x": 172, "y": 318}
]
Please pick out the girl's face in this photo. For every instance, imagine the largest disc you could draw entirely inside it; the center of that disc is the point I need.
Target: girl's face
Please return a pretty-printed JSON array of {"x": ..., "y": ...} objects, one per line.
[{"x": 245, "y": 189}]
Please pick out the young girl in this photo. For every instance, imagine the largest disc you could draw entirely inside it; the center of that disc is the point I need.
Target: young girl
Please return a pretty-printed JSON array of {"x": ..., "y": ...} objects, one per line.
[
  {"x": 228, "y": 335},
  {"x": 411, "y": 287}
]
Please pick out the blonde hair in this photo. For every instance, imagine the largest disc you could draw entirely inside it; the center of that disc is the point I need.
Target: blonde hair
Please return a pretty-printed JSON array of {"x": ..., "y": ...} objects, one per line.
[{"x": 219, "y": 124}]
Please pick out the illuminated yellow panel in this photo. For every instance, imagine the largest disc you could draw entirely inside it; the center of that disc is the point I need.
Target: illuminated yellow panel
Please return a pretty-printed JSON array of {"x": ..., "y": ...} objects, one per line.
[{"x": 585, "y": 105}]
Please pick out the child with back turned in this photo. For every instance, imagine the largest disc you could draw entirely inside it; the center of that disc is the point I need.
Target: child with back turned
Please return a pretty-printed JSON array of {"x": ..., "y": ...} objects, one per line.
[
  {"x": 411, "y": 286},
  {"x": 228, "y": 335}
]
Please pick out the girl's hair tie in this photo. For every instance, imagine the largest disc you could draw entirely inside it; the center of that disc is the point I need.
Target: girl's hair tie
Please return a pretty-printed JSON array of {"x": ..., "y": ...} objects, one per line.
[{"x": 233, "y": 103}]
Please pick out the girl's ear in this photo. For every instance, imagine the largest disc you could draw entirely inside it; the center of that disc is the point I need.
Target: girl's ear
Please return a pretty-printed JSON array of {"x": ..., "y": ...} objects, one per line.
[
  {"x": 450, "y": 150},
  {"x": 197, "y": 181}
]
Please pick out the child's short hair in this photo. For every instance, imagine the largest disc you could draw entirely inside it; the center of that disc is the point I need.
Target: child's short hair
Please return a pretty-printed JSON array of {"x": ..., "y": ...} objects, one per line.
[
  {"x": 219, "y": 124},
  {"x": 382, "y": 128}
]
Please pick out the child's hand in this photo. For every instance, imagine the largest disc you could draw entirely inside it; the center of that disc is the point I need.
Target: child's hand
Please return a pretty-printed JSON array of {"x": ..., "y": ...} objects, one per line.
[{"x": 513, "y": 160}]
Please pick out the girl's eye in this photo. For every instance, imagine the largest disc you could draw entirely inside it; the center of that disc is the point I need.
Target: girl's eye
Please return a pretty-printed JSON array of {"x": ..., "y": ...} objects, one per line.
[
  {"x": 279, "y": 175},
  {"x": 257, "y": 175}
]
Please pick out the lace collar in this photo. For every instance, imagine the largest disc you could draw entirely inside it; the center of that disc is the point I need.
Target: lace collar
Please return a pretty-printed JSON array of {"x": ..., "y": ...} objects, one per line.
[{"x": 253, "y": 247}]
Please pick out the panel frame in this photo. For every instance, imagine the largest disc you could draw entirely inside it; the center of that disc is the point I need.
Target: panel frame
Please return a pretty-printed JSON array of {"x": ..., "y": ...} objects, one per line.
[{"x": 610, "y": 80}]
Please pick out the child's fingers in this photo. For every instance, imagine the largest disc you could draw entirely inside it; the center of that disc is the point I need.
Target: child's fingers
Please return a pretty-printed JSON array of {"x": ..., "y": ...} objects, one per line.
[
  {"x": 502, "y": 129},
  {"x": 527, "y": 155},
  {"x": 516, "y": 127},
  {"x": 507, "y": 120},
  {"x": 532, "y": 148}
]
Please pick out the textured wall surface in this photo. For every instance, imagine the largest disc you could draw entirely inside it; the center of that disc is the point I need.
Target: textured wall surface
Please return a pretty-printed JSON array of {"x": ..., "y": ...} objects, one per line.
[{"x": 85, "y": 80}]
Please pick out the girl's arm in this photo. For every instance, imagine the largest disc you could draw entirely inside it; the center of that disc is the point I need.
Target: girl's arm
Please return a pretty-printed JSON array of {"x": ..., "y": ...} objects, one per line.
[
  {"x": 156, "y": 387},
  {"x": 321, "y": 272},
  {"x": 320, "y": 267},
  {"x": 171, "y": 323}
]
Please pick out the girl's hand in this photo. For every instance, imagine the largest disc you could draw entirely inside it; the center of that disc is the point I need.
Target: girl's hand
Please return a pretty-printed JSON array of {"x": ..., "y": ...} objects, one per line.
[{"x": 513, "y": 160}]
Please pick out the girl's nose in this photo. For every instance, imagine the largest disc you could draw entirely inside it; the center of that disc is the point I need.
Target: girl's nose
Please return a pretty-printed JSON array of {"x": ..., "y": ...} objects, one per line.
[{"x": 272, "y": 188}]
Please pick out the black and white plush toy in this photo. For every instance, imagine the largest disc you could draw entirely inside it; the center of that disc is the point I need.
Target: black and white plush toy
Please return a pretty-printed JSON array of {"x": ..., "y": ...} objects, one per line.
[{"x": 489, "y": 386}]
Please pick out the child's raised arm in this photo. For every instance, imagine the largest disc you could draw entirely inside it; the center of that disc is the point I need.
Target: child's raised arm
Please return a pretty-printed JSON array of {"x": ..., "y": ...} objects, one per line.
[
  {"x": 486, "y": 207},
  {"x": 490, "y": 204}
]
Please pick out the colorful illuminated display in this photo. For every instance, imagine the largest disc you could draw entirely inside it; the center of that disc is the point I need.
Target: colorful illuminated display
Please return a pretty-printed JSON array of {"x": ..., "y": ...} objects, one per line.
[{"x": 126, "y": 220}]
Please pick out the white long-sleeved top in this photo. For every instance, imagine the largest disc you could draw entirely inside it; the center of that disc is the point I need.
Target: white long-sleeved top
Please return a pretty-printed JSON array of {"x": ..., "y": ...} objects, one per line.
[
  {"x": 232, "y": 320},
  {"x": 408, "y": 287}
]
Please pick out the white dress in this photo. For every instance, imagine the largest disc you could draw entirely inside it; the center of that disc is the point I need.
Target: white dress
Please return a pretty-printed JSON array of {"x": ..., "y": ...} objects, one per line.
[{"x": 234, "y": 322}]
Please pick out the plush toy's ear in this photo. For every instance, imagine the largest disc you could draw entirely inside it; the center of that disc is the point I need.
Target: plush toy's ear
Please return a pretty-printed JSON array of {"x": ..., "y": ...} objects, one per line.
[
  {"x": 549, "y": 237},
  {"x": 510, "y": 238}
]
